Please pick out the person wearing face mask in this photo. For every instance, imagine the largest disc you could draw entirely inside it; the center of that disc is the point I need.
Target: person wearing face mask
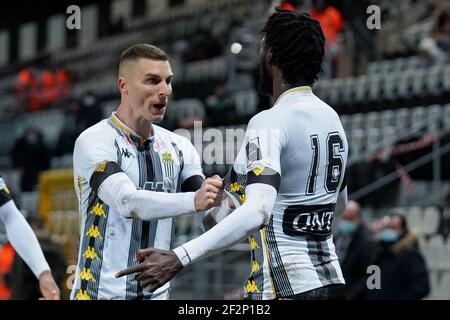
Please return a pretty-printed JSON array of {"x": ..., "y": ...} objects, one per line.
[
  {"x": 404, "y": 275},
  {"x": 355, "y": 249}
]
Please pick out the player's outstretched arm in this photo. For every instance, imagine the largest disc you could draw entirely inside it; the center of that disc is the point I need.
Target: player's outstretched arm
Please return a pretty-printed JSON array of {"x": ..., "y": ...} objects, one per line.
[
  {"x": 27, "y": 246},
  {"x": 159, "y": 266},
  {"x": 118, "y": 191}
]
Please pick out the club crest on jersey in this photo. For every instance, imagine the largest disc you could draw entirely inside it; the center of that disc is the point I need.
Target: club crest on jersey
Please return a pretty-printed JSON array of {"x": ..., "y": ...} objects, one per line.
[{"x": 169, "y": 165}]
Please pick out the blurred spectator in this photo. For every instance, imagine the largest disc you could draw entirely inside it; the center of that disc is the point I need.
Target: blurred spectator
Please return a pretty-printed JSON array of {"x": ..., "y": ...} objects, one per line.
[
  {"x": 355, "y": 17},
  {"x": 48, "y": 90},
  {"x": 355, "y": 249},
  {"x": 291, "y": 4},
  {"x": 66, "y": 140},
  {"x": 24, "y": 85},
  {"x": 331, "y": 21},
  {"x": 63, "y": 82},
  {"x": 437, "y": 47},
  {"x": 30, "y": 155},
  {"x": 404, "y": 275},
  {"x": 444, "y": 224},
  {"x": 37, "y": 89},
  {"x": 25, "y": 285},
  {"x": 203, "y": 45},
  {"x": 90, "y": 111},
  {"x": 220, "y": 106}
]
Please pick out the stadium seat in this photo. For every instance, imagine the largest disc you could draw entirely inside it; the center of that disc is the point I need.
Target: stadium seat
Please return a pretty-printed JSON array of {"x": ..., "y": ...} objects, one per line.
[
  {"x": 445, "y": 284},
  {"x": 402, "y": 118},
  {"x": 372, "y": 120},
  {"x": 433, "y": 117},
  {"x": 357, "y": 121},
  {"x": 29, "y": 202},
  {"x": 431, "y": 216},
  {"x": 246, "y": 102},
  {"x": 433, "y": 80},
  {"x": 446, "y": 115},
  {"x": 404, "y": 83},
  {"x": 387, "y": 118},
  {"x": 356, "y": 140},
  {"x": 373, "y": 139},
  {"x": 375, "y": 82},
  {"x": 362, "y": 85},
  {"x": 388, "y": 135},
  {"x": 390, "y": 86},
  {"x": 345, "y": 121},
  {"x": 418, "y": 118},
  {"x": 446, "y": 78},
  {"x": 418, "y": 83},
  {"x": 414, "y": 218}
]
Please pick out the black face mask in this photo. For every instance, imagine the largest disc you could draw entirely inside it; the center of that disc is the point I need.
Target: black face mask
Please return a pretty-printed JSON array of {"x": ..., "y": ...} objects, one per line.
[{"x": 266, "y": 81}]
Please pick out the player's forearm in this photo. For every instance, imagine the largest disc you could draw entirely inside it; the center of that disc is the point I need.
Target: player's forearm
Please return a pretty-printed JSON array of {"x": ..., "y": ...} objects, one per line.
[
  {"x": 119, "y": 192},
  {"x": 241, "y": 223},
  {"x": 23, "y": 238}
]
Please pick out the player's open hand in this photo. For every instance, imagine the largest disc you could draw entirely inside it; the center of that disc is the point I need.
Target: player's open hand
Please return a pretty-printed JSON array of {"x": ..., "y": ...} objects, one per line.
[
  {"x": 210, "y": 194},
  {"x": 47, "y": 284},
  {"x": 156, "y": 267}
]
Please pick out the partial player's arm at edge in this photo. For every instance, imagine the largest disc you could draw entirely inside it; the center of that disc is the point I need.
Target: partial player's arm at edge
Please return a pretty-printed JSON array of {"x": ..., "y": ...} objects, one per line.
[{"x": 23, "y": 238}]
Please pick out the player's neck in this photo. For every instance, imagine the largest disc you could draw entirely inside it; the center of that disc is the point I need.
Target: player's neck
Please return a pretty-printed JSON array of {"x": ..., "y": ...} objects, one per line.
[
  {"x": 278, "y": 86},
  {"x": 141, "y": 126}
]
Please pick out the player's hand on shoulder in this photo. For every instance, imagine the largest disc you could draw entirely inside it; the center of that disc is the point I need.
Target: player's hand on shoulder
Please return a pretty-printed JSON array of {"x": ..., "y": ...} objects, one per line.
[
  {"x": 210, "y": 194},
  {"x": 47, "y": 284}
]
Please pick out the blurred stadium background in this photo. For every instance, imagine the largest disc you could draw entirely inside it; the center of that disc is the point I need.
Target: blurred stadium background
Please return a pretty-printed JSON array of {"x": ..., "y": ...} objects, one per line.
[{"x": 390, "y": 86}]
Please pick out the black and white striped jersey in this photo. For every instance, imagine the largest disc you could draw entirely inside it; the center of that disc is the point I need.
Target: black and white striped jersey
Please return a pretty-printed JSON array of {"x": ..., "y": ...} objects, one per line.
[
  {"x": 299, "y": 147},
  {"x": 108, "y": 241}
]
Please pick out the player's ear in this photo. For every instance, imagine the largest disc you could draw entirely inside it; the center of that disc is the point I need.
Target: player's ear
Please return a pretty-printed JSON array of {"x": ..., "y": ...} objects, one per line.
[{"x": 122, "y": 84}]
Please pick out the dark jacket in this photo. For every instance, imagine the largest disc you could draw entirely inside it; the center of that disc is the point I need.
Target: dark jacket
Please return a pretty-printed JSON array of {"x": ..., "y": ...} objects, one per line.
[
  {"x": 404, "y": 275},
  {"x": 359, "y": 255}
]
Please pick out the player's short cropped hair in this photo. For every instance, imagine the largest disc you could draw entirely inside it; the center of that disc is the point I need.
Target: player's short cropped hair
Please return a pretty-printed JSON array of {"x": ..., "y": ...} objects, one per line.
[
  {"x": 143, "y": 50},
  {"x": 296, "y": 42}
]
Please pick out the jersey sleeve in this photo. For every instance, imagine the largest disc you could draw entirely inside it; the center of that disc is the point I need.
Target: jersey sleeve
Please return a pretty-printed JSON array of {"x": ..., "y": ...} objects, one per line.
[
  {"x": 259, "y": 159},
  {"x": 4, "y": 192},
  {"x": 191, "y": 165},
  {"x": 263, "y": 143},
  {"x": 95, "y": 159}
]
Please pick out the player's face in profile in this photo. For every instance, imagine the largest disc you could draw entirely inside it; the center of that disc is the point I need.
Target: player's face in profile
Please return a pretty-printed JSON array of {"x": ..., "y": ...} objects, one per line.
[
  {"x": 150, "y": 88},
  {"x": 266, "y": 81}
]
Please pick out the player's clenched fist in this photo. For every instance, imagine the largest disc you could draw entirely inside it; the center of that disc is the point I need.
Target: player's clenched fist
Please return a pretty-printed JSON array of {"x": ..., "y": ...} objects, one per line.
[{"x": 210, "y": 194}]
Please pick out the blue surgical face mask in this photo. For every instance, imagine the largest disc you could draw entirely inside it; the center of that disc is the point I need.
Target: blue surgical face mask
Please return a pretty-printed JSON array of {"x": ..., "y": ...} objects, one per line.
[
  {"x": 346, "y": 227},
  {"x": 388, "y": 235}
]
